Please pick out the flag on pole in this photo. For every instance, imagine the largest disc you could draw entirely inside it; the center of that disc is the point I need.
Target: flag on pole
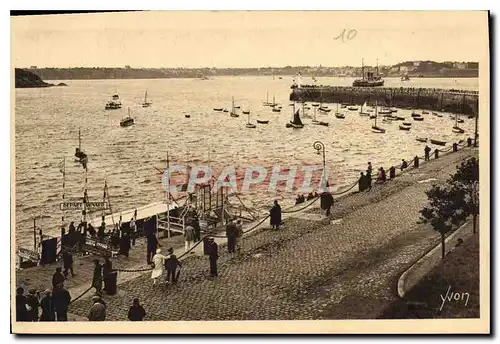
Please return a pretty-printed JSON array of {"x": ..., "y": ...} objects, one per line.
[{"x": 62, "y": 166}]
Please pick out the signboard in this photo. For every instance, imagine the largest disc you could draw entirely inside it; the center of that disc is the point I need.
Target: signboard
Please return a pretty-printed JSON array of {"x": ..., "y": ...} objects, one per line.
[
  {"x": 96, "y": 247},
  {"x": 78, "y": 205},
  {"x": 27, "y": 254}
]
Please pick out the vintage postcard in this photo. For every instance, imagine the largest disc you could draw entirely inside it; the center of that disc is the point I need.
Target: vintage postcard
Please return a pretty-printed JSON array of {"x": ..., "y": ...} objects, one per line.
[{"x": 251, "y": 172}]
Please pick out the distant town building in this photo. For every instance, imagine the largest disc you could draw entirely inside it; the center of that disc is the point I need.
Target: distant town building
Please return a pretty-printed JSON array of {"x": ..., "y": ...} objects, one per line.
[
  {"x": 33, "y": 67},
  {"x": 460, "y": 65}
]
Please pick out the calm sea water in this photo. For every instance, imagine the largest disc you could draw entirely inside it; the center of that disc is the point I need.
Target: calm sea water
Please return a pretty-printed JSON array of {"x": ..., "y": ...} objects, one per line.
[{"x": 48, "y": 119}]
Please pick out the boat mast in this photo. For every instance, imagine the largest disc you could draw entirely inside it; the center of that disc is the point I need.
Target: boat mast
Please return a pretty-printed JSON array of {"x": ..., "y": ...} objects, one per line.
[
  {"x": 267, "y": 97},
  {"x": 376, "y": 113},
  {"x": 168, "y": 197},
  {"x": 79, "y": 140},
  {"x": 456, "y": 119},
  {"x": 64, "y": 190},
  {"x": 274, "y": 100},
  {"x": 377, "y": 68},
  {"x": 145, "y": 96},
  {"x": 232, "y": 110}
]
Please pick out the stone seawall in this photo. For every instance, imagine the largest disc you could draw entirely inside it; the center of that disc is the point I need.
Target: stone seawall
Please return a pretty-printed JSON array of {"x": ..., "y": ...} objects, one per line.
[{"x": 456, "y": 101}]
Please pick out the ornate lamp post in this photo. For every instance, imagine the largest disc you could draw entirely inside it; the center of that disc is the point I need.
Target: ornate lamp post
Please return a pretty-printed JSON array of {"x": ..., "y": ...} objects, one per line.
[{"x": 320, "y": 147}]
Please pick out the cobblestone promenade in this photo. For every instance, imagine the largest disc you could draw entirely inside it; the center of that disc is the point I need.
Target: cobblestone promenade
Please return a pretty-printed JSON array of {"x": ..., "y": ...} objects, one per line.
[{"x": 309, "y": 269}]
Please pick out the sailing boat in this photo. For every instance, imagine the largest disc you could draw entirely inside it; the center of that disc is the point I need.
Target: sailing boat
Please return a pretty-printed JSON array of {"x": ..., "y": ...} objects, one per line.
[
  {"x": 322, "y": 107},
  {"x": 233, "y": 111},
  {"x": 266, "y": 103},
  {"x": 250, "y": 125},
  {"x": 296, "y": 123},
  {"x": 127, "y": 121},
  {"x": 375, "y": 128},
  {"x": 456, "y": 128},
  {"x": 146, "y": 103},
  {"x": 338, "y": 114},
  {"x": 79, "y": 154},
  {"x": 274, "y": 106},
  {"x": 361, "y": 113}
]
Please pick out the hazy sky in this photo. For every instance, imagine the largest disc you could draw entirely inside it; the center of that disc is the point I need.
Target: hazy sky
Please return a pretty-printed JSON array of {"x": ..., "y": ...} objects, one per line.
[{"x": 245, "y": 39}]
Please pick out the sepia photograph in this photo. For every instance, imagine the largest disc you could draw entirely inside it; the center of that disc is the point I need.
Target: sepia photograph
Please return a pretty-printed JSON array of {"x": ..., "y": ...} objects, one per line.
[{"x": 250, "y": 172}]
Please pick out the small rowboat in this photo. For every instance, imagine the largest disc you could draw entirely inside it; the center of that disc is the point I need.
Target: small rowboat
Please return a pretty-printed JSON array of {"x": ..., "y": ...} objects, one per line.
[
  {"x": 324, "y": 109},
  {"x": 225, "y": 110},
  {"x": 458, "y": 130},
  {"x": 275, "y": 109},
  {"x": 378, "y": 130},
  {"x": 234, "y": 114},
  {"x": 373, "y": 116},
  {"x": 420, "y": 119},
  {"x": 339, "y": 115},
  {"x": 217, "y": 109},
  {"x": 422, "y": 139},
  {"x": 438, "y": 142},
  {"x": 250, "y": 125},
  {"x": 460, "y": 120},
  {"x": 407, "y": 123},
  {"x": 399, "y": 118},
  {"x": 246, "y": 112},
  {"x": 343, "y": 106},
  {"x": 385, "y": 111},
  {"x": 413, "y": 114},
  {"x": 187, "y": 116},
  {"x": 425, "y": 112},
  {"x": 352, "y": 108},
  {"x": 262, "y": 121},
  {"x": 404, "y": 127},
  {"x": 471, "y": 116}
]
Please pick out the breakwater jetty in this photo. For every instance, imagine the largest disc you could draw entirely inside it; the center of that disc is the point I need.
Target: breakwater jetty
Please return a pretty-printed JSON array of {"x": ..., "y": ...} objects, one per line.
[{"x": 450, "y": 100}]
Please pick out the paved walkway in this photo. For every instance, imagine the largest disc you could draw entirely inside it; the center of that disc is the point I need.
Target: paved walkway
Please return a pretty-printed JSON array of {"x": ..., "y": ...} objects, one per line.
[{"x": 309, "y": 269}]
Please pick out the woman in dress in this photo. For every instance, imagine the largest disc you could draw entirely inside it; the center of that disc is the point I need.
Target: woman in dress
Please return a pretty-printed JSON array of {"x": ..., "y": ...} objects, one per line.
[{"x": 158, "y": 260}]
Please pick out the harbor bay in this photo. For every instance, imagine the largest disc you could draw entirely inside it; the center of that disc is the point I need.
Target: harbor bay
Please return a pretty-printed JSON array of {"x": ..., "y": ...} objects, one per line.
[{"x": 129, "y": 159}]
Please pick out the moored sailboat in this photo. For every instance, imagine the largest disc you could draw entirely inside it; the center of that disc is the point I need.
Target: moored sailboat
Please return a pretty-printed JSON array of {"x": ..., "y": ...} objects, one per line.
[
  {"x": 233, "y": 110},
  {"x": 146, "y": 103},
  {"x": 127, "y": 121},
  {"x": 456, "y": 129},
  {"x": 249, "y": 124},
  {"x": 114, "y": 103},
  {"x": 375, "y": 128}
]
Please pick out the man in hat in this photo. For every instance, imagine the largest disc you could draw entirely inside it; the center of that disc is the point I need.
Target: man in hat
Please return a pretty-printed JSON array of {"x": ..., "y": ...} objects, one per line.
[
  {"x": 136, "y": 311},
  {"x": 61, "y": 299},
  {"x": 21, "y": 310},
  {"x": 68, "y": 263},
  {"x": 231, "y": 237},
  {"x": 97, "y": 277},
  {"x": 97, "y": 311},
  {"x": 171, "y": 264},
  {"x": 58, "y": 277},
  {"x": 213, "y": 255},
  {"x": 47, "y": 306},
  {"x": 275, "y": 214},
  {"x": 188, "y": 237},
  {"x": 239, "y": 234},
  {"x": 33, "y": 305}
]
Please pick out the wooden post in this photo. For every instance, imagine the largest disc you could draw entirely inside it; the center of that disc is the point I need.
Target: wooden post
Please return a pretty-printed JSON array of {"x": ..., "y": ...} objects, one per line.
[{"x": 34, "y": 234}]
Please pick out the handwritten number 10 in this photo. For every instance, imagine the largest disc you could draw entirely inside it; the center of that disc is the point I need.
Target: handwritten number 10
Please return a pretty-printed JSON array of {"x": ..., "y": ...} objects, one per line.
[{"x": 347, "y": 35}]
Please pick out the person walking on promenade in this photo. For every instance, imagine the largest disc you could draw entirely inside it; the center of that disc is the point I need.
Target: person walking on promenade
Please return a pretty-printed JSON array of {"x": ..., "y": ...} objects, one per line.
[
  {"x": 392, "y": 172},
  {"x": 158, "y": 261},
  {"x": 416, "y": 161},
  {"x": 171, "y": 264},
  {"x": 68, "y": 263},
  {"x": 133, "y": 231},
  {"x": 97, "y": 311},
  {"x": 152, "y": 246},
  {"x": 21, "y": 310},
  {"x": 239, "y": 235},
  {"x": 125, "y": 244},
  {"x": 362, "y": 182},
  {"x": 404, "y": 164},
  {"x": 101, "y": 231},
  {"x": 231, "y": 237},
  {"x": 275, "y": 213},
  {"x": 381, "y": 176},
  {"x": 369, "y": 169},
  {"x": 57, "y": 277},
  {"x": 107, "y": 268},
  {"x": 136, "y": 312},
  {"x": 427, "y": 151},
  {"x": 213, "y": 255},
  {"x": 197, "y": 228},
  {"x": 61, "y": 299},
  {"x": 47, "y": 306},
  {"x": 326, "y": 201},
  {"x": 97, "y": 276},
  {"x": 71, "y": 228},
  {"x": 368, "y": 180},
  {"x": 33, "y": 305},
  {"x": 188, "y": 237}
]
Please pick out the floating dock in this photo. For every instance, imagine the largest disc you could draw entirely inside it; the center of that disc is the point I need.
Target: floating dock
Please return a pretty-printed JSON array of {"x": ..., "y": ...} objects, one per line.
[{"x": 456, "y": 101}]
